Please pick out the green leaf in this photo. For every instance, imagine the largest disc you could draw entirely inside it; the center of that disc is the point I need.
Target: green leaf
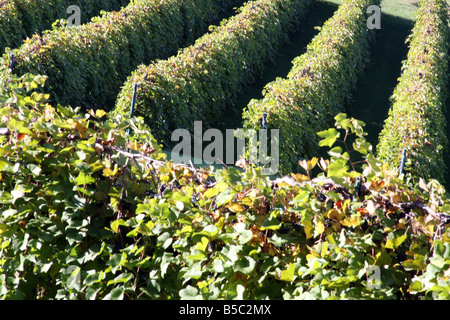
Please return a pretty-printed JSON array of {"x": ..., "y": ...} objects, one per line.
[
  {"x": 224, "y": 197},
  {"x": 84, "y": 179},
  {"x": 121, "y": 278},
  {"x": 271, "y": 224},
  {"x": 340, "y": 117},
  {"x": 394, "y": 243},
  {"x": 337, "y": 168},
  {"x": 115, "y": 294},
  {"x": 197, "y": 256},
  {"x": 147, "y": 228},
  {"x": 189, "y": 293},
  {"x": 203, "y": 244},
  {"x": 335, "y": 152},
  {"x": 418, "y": 263},
  {"x": 35, "y": 170},
  {"x": 245, "y": 236},
  {"x": 116, "y": 223},
  {"x": 244, "y": 265},
  {"x": 374, "y": 163},
  {"x": 218, "y": 266},
  {"x": 211, "y": 193},
  {"x": 210, "y": 231},
  {"x": 362, "y": 146},
  {"x": 3, "y": 163},
  {"x": 288, "y": 274},
  {"x": 329, "y": 137}
]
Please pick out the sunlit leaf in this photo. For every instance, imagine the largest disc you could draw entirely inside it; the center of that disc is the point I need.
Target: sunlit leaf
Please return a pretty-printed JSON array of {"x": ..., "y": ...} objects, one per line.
[
  {"x": 288, "y": 274},
  {"x": 396, "y": 242},
  {"x": 329, "y": 137}
]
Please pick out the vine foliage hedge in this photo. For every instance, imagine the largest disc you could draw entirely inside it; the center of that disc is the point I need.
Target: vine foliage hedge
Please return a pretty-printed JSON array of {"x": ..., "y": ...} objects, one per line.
[
  {"x": 203, "y": 79},
  {"x": 90, "y": 212},
  {"x": 318, "y": 85},
  {"x": 87, "y": 64},
  {"x": 417, "y": 118},
  {"x": 20, "y": 19}
]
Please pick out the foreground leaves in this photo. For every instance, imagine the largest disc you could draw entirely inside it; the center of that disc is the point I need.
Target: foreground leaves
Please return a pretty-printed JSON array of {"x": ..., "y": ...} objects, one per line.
[{"x": 82, "y": 217}]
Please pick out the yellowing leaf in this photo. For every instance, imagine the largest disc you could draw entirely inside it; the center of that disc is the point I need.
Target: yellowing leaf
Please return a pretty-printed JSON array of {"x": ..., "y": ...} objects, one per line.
[
  {"x": 133, "y": 146},
  {"x": 335, "y": 214},
  {"x": 288, "y": 274},
  {"x": 312, "y": 255},
  {"x": 78, "y": 127},
  {"x": 202, "y": 244},
  {"x": 197, "y": 219},
  {"x": 354, "y": 220},
  {"x": 300, "y": 177},
  {"x": 221, "y": 186},
  {"x": 247, "y": 201},
  {"x": 83, "y": 179},
  {"x": 324, "y": 251},
  {"x": 107, "y": 172},
  {"x": 219, "y": 224},
  {"x": 312, "y": 163},
  {"x": 211, "y": 193},
  {"x": 418, "y": 263},
  {"x": 114, "y": 202},
  {"x": 146, "y": 228},
  {"x": 236, "y": 207},
  {"x": 308, "y": 229},
  {"x": 377, "y": 185},
  {"x": 100, "y": 113},
  {"x": 320, "y": 227},
  {"x": 394, "y": 243},
  {"x": 116, "y": 223}
]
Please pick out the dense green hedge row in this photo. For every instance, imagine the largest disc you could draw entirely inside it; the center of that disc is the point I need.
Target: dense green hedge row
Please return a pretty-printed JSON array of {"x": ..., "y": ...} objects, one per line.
[
  {"x": 87, "y": 64},
  {"x": 23, "y": 18},
  {"x": 417, "y": 118},
  {"x": 203, "y": 79},
  {"x": 317, "y": 86}
]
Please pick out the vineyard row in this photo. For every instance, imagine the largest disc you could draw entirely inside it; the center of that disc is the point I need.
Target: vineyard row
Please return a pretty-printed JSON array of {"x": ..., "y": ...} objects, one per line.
[
  {"x": 317, "y": 86},
  {"x": 20, "y": 19},
  {"x": 203, "y": 79},
  {"x": 417, "y": 119},
  {"x": 87, "y": 64}
]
